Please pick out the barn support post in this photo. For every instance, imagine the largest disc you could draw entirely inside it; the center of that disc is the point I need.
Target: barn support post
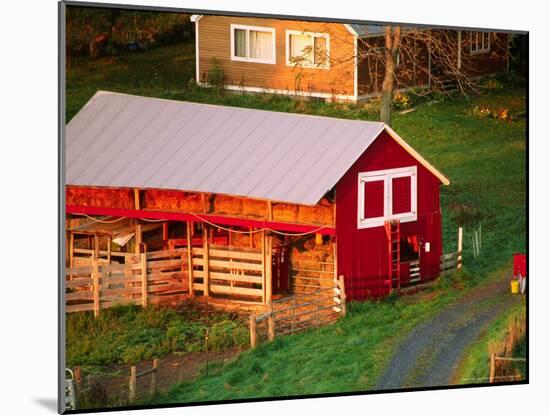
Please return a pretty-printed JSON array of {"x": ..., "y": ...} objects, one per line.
[
  {"x": 268, "y": 265},
  {"x": 459, "y": 256},
  {"x": 342, "y": 288},
  {"x": 144, "y": 287},
  {"x": 109, "y": 240},
  {"x": 95, "y": 287},
  {"x": 164, "y": 235},
  {"x": 96, "y": 247},
  {"x": 206, "y": 260},
  {"x": 264, "y": 291},
  {"x": 71, "y": 249},
  {"x": 190, "y": 259},
  {"x": 139, "y": 238}
]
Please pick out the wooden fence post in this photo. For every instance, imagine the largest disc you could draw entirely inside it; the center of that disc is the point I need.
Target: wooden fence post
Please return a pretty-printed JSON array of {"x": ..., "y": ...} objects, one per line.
[
  {"x": 206, "y": 261},
  {"x": 154, "y": 376},
  {"x": 253, "y": 339},
  {"x": 342, "y": 288},
  {"x": 459, "y": 257},
  {"x": 271, "y": 325},
  {"x": 190, "y": 259},
  {"x": 492, "y": 370},
  {"x": 144, "y": 287},
  {"x": 132, "y": 385},
  {"x": 95, "y": 282}
]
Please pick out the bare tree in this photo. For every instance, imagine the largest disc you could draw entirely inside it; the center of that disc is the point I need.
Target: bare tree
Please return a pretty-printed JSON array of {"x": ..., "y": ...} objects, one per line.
[{"x": 393, "y": 42}]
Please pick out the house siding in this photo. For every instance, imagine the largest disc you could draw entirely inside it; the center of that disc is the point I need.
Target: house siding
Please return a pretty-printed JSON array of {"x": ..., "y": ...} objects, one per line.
[{"x": 215, "y": 43}]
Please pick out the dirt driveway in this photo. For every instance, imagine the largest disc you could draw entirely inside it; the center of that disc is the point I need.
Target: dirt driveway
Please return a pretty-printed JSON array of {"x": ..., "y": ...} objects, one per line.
[{"x": 430, "y": 353}]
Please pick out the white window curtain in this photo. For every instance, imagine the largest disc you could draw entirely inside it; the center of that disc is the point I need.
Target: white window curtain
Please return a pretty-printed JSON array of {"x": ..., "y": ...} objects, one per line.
[
  {"x": 240, "y": 43},
  {"x": 301, "y": 48},
  {"x": 261, "y": 45}
]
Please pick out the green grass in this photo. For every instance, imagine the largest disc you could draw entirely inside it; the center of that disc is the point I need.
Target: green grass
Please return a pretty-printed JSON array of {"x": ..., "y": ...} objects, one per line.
[
  {"x": 128, "y": 334},
  {"x": 475, "y": 365},
  {"x": 485, "y": 159},
  {"x": 347, "y": 356}
]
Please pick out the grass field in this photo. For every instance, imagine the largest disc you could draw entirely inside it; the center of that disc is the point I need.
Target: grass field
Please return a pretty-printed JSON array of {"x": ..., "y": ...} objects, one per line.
[{"x": 485, "y": 160}]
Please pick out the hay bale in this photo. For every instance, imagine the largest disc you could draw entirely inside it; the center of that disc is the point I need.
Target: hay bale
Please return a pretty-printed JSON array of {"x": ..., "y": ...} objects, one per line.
[
  {"x": 319, "y": 215},
  {"x": 228, "y": 205},
  {"x": 254, "y": 208},
  {"x": 285, "y": 212},
  {"x": 172, "y": 200}
]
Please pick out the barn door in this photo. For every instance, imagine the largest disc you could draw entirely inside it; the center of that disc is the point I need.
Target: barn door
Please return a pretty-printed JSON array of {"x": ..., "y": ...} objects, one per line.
[{"x": 280, "y": 267}]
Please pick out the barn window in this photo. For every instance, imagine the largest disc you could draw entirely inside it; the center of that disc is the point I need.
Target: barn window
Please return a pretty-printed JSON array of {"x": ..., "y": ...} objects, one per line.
[
  {"x": 480, "y": 42},
  {"x": 386, "y": 194},
  {"x": 307, "y": 49},
  {"x": 252, "y": 44}
]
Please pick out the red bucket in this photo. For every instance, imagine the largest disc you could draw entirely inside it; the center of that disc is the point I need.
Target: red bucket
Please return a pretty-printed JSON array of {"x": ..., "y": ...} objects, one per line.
[{"x": 520, "y": 265}]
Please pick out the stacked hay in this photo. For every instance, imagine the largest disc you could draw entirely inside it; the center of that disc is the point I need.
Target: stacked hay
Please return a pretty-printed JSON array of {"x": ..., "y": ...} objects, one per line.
[
  {"x": 307, "y": 262},
  {"x": 242, "y": 240},
  {"x": 227, "y": 205},
  {"x": 284, "y": 212},
  {"x": 99, "y": 197},
  {"x": 253, "y": 208},
  {"x": 172, "y": 200},
  {"x": 320, "y": 214}
]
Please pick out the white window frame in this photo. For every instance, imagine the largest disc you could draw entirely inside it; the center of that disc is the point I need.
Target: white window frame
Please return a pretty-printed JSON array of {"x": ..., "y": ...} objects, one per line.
[
  {"x": 387, "y": 176},
  {"x": 479, "y": 45},
  {"x": 246, "y": 28},
  {"x": 313, "y": 35}
]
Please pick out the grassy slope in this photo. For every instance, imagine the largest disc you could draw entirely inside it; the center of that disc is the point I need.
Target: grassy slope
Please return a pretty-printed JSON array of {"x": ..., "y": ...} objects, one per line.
[
  {"x": 475, "y": 366},
  {"x": 484, "y": 158}
]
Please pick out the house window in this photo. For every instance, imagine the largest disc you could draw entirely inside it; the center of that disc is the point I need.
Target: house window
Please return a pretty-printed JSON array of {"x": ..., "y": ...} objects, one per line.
[
  {"x": 252, "y": 44},
  {"x": 386, "y": 195},
  {"x": 480, "y": 42},
  {"x": 307, "y": 49}
]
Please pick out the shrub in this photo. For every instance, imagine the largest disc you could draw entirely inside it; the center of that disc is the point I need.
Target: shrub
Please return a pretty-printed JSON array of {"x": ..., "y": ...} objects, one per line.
[
  {"x": 215, "y": 76},
  {"x": 401, "y": 101}
]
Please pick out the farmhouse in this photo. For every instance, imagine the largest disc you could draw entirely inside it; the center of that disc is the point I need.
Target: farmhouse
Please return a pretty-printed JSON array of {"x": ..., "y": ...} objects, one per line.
[
  {"x": 328, "y": 60},
  {"x": 243, "y": 204}
]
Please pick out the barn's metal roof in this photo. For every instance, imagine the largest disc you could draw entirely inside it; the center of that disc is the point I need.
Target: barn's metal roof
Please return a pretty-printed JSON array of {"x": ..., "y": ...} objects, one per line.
[{"x": 120, "y": 140}]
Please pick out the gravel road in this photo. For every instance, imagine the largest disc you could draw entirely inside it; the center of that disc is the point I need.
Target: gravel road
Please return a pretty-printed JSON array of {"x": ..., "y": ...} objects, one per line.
[{"x": 428, "y": 356}]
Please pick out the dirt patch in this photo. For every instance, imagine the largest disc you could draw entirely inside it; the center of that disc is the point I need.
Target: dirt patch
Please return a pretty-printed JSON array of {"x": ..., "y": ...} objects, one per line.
[{"x": 109, "y": 385}]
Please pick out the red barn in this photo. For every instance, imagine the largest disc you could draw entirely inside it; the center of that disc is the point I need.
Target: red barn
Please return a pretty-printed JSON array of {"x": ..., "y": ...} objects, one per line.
[{"x": 243, "y": 190}]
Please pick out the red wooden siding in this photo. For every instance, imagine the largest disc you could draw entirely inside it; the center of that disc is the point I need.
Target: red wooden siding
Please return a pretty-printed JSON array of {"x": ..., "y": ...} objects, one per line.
[{"x": 362, "y": 253}]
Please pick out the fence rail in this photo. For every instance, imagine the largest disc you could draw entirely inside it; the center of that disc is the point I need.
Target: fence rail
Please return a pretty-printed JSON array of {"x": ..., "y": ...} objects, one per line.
[
  {"x": 146, "y": 278},
  {"x": 291, "y": 315},
  {"x": 450, "y": 262}
]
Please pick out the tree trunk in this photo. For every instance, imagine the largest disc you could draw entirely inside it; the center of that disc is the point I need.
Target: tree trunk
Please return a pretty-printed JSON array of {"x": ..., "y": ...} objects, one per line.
[{"x": 393, "y": 40}]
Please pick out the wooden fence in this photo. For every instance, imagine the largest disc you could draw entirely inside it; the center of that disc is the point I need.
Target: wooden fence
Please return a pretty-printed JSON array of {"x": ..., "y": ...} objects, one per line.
[
  {"x": 143, "y": 279},
  {"x": 450, "y": 263},
  {"x": 229, "y": 271},
  {"x": 300, "y": 312},
  {"x": 105, "y": 279}
]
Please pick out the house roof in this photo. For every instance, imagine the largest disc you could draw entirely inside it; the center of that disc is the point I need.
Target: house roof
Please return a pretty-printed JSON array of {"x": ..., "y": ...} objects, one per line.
[
  {"x": 119, "y": 140},
  {"x": 365, "y": 30}
]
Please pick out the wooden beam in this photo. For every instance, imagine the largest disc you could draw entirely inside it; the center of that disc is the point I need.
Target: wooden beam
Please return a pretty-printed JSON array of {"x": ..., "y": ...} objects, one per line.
[
  {"x": 190, "y": 258},
  {"x": 139, "y": 238},
  {"x": 96, "y": 247},
  {"x": 269, "y": 210},
  {"x": 459, "y": 258},
  {"x": 144, "y": 280},
  {"x": 137, "y": 205},
  {"x": 206, "y": 261},
  {"x": 95, "y": 287},
  {"x": 268, "y": 265},
  {"x": 264, "y": 296},
  {"x": 71, "y": 249},
  {"x": 253, "y": 338},
  {"x": 164, "y": 235}
]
